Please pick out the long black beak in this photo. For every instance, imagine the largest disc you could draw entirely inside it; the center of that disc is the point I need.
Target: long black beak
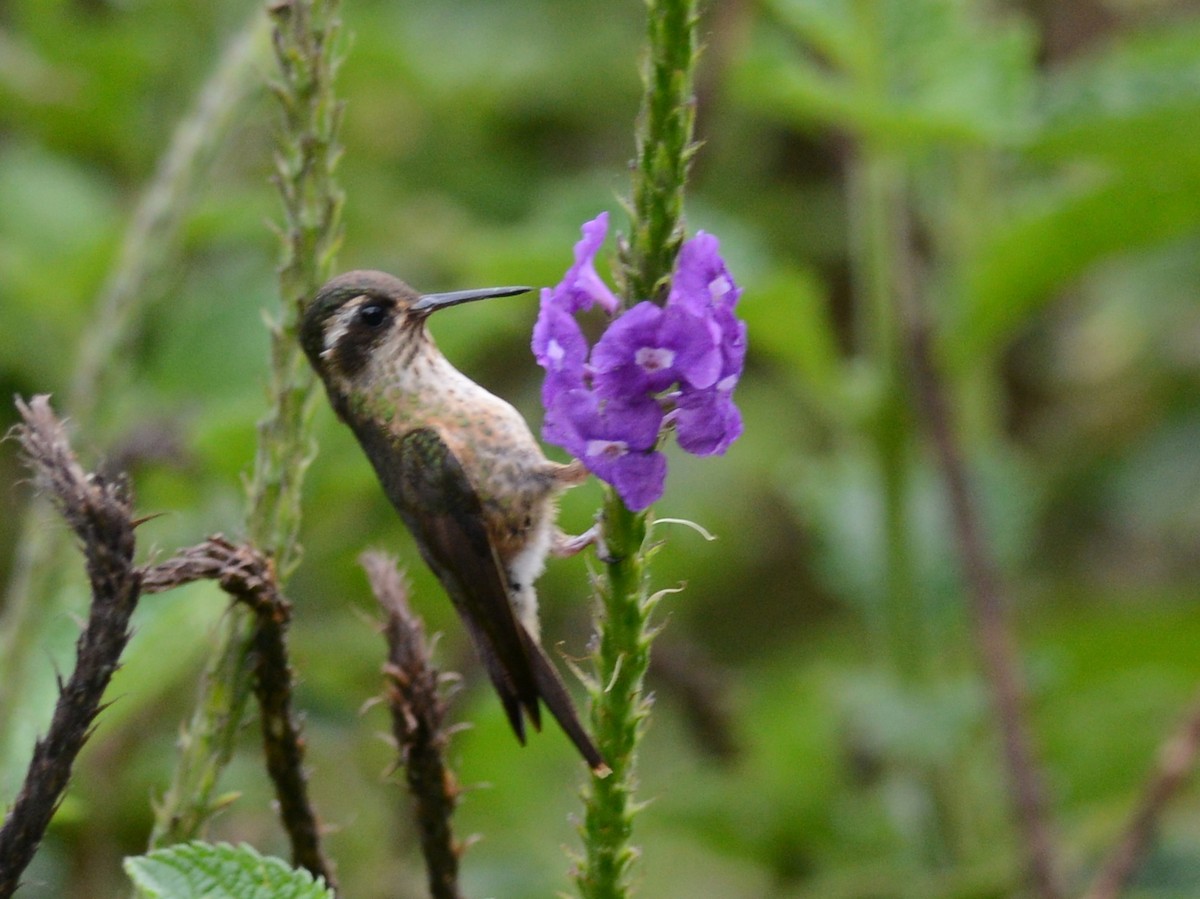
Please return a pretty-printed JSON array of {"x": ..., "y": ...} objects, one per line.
[{"x": 431, "y": 302}]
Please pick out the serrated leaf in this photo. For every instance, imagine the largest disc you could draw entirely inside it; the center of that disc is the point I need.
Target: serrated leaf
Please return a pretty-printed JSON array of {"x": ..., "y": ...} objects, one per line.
[{"x": 205, "y": 871}]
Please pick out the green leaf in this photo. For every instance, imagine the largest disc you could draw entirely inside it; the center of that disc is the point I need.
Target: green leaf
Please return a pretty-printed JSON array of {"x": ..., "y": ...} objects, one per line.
[
  {"x": 1136, "y": 103},
  {"x": 911, "y": 73},
  {"x": 828, "y": 27},
  {"x": 205, "y": 871},
  {"x": 1126, "y": 123},
  {"x": 1023, "y": 265}
]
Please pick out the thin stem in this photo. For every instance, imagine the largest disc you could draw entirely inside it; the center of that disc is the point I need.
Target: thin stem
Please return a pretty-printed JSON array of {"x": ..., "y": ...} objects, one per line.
[
  {"x": 307, "y": 151},
  {"x": 694, "y": 680},
  {"x": 283, "y": 743},
  {"x": 153, "y": 235},
  {"x": 899, "y": 619},
  {"x": 1176, "y": 760},
  {"x": 418, "y": 716},
  {"x": 993, "y": 631},
  {"x": 619, "y": 707},
  {"x": 100, "y": 514},
  {"x": 875, "y": 191},
  {"x": 206, "y": 744},
  {"x": 664, "y": 150},
  {"x": 304, "y": 35},
  {"x": 249, "y": 577}
]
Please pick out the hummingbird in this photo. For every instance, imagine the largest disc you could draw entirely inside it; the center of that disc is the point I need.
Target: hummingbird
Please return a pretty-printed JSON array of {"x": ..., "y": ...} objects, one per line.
[{"x": 462, "y": 469}]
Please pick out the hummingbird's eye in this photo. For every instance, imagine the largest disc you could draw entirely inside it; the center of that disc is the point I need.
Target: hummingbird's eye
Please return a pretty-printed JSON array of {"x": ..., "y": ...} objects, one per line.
[{"x": 372, "y": 315}]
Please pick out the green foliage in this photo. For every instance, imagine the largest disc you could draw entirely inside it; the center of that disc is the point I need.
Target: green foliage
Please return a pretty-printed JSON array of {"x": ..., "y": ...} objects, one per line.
[
  {"x": 910, "y": 75},
  {"x": 1050, "y": 176},
  {"x": 205, "y": 871},
  {"x": 1118, "y": 170}
]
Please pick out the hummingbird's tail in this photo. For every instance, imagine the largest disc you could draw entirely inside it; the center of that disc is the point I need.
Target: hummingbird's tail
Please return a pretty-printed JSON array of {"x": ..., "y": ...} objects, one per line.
[{"x": 554, "y": 694}]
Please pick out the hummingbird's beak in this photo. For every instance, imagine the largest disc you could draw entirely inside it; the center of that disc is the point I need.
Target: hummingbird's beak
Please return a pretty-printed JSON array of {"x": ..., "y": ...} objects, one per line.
[{"x": 431, "y": 302}]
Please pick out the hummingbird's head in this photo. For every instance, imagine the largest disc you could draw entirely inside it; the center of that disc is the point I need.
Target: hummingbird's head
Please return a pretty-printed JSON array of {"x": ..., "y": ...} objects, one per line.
[{"x": 365, "y": 315}]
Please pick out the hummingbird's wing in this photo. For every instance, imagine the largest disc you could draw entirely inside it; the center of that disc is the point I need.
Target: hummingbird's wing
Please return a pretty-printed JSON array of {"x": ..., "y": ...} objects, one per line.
[
  {"x": 444, "y": 513},
  {"x": 442, "y": 509}
]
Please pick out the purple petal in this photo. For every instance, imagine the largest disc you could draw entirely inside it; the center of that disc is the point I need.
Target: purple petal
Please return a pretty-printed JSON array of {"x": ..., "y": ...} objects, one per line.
[
  {"x": 732, "y": 342},
  {"x": 648, "y": 348},
  {"x": 697, "y": 355},
  {"x": 584, "y": 416},
  {"x": 614, "y": 358},
  {"x": 639, "y": 479},
  {"x": 637, "y": 421},
  {"x": 707, "y": 422},
  {"x": 701, "y": 280},
  {"x": 558, "y": 343},
  {"x": 581, "y": 288},
  {"x": 608, "y": 413},
  {"x": 561, "y": 425},
  {"x": 614, "y": 440}
]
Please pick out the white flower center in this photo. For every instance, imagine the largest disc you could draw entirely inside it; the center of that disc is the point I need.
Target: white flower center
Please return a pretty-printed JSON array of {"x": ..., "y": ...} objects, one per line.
[
  {"x": 718, "y": 287},
  {"x": 555, "y": 352},
  {"x": 613, "y": 449},
  {"x": 654, "y": 358},
  {"x": 726, "y": 385}
]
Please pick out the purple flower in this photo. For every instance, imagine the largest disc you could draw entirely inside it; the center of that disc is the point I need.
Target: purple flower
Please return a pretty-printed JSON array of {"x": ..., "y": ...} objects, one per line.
[
  {"x": 703, "y": 285},
  {"x": 649, "y": 348},
  {"x": 732, "y": 342},
  {"x": 701, "y": 280},
  {"x": 559, "y": 347},
  {"x": 654, "y": 365},
  {"x": 581, "y": 288},
  {"x": 707, "y": 421},
  {"x": 615, "y": 439}
]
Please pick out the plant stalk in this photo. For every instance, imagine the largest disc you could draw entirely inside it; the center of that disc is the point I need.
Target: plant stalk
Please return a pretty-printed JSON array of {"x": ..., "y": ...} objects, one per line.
[
  {"x": 304, "y": 37},
  {"x": 619, "y": 706}
]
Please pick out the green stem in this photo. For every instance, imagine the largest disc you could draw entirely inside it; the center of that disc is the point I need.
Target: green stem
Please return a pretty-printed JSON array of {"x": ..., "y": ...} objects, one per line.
[
  {"x": 876, "y": 178},
  {"x": 664, "y": 150},
  {"x": 619, "y": 707},
  {"x": 877, "y": 188},
  {"x": 905, "y": 612},
  {"x": 888, "y": 273},
  {"x": 304, "y": 34}
]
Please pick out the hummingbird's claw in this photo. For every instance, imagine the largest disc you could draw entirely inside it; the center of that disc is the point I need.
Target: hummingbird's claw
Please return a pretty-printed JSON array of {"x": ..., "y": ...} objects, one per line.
[{"x": 564, "y": 546}]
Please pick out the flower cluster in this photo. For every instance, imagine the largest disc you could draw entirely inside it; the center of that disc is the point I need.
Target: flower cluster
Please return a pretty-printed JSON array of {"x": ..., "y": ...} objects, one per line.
[{"x": 654, "y": 367}]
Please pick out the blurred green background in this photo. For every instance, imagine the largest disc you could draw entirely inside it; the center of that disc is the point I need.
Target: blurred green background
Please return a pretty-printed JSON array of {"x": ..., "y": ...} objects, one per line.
[{"x": 821, "y": 728}]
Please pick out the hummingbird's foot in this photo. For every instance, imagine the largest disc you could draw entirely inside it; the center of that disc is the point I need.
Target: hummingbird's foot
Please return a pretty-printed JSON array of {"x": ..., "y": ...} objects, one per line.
[
  {"x": 572, "y": 474},
  {"x": 564, "y": 546}
]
